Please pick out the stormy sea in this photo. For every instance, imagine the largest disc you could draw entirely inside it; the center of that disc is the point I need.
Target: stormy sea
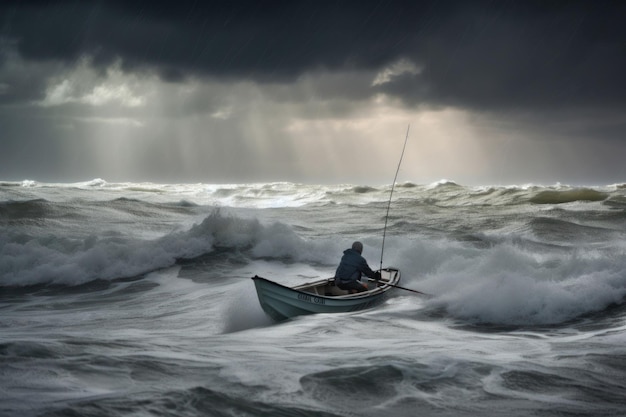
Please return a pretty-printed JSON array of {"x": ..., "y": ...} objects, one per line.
[{"x": 135, "y": 299}]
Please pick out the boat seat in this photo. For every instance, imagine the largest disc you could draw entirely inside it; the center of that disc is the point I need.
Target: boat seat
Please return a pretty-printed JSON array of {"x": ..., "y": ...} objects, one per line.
[{"x": 332, "y": 290}]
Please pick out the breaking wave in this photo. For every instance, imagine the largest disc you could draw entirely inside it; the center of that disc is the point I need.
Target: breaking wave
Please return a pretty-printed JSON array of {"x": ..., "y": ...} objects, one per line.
[
  {"x": 32, "y": 260},
  {"x": 508, "y": 284}
]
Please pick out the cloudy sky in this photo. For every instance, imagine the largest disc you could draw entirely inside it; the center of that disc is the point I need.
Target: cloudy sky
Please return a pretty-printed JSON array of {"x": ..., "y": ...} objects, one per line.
[{"x": 495, "y": 92}]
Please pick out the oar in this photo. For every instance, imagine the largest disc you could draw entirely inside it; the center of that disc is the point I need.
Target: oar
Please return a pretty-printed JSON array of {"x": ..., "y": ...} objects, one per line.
[{"x": 399, "y": 287}]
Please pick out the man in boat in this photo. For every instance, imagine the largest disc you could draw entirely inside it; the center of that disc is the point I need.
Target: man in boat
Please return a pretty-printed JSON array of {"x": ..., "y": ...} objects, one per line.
[{"x": 351, "y": 268}]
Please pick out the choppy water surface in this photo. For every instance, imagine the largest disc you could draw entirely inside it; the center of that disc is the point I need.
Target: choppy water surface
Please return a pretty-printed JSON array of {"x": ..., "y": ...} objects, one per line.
[{"x": 136, "y": 299}]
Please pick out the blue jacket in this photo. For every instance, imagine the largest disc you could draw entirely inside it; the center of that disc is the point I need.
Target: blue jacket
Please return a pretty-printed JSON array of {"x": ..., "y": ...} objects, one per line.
[{"x": 351, "y": 267}]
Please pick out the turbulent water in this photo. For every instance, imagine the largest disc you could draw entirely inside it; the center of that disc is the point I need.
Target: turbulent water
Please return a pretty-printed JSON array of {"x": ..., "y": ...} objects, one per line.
[{"x": 136, "y": 300}]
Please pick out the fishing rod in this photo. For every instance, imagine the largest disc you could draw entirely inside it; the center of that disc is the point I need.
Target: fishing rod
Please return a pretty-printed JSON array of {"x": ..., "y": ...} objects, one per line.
[{"x": 382, "y": 250}]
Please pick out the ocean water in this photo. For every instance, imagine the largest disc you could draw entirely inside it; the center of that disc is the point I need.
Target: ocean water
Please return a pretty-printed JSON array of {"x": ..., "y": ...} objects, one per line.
[{"x": 127, "y": 299}]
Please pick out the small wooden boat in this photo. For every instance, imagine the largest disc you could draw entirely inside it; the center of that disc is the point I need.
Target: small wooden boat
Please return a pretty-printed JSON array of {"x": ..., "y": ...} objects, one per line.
[{"x": 281, "y": 302}]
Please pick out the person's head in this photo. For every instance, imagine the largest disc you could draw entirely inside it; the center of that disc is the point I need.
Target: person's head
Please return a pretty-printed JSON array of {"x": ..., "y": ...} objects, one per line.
[{"x": 358, "y": 246}]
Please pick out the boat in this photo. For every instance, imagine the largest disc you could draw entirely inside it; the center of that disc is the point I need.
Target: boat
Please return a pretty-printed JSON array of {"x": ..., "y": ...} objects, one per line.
[{"x": 323, "y": 296}]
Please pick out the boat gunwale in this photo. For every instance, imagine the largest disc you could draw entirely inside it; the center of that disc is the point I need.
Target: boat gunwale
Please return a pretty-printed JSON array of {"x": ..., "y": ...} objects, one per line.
[{"x": 377, "y": 291}]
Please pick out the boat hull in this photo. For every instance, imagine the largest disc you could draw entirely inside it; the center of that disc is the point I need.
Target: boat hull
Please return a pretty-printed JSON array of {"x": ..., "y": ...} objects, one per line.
[{"x": 281, "y": 302}]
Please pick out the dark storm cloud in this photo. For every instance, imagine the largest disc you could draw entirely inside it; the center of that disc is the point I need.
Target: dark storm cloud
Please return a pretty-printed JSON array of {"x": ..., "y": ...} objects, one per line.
[
  {"x": 478, "y": 54},
  {"x": 522, "y": 55},
  {"x": 259, "y": 40}
]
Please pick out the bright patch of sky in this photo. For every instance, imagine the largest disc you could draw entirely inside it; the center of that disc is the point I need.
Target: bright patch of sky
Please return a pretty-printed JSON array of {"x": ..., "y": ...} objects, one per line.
[
  {"x": 83, "y": 85},
  {"x": 401, "y": 67}
]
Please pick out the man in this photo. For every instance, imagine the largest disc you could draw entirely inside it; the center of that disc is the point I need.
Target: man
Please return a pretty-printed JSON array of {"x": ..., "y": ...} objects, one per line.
[{"x": 351, "y": 267}]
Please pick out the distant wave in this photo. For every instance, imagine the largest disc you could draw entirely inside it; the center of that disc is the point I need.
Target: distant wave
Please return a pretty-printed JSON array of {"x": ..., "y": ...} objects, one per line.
[
  {"x": 286, "y": 194},
  {"x": 444, "y": 183},
  {"x": 568, "y": 196},
  {"x": 363, "y": 189}
]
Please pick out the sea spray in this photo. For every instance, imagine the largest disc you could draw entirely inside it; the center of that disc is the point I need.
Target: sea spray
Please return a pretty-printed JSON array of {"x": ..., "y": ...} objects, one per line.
[{"x": 243, "y": 311}]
